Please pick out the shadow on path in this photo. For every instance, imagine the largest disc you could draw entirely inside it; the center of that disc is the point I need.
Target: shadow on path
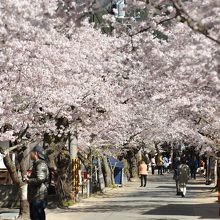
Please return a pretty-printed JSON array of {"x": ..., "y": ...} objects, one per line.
[
  {"x": 189, "y": 187},
  {"x": 199, "y": 210}
]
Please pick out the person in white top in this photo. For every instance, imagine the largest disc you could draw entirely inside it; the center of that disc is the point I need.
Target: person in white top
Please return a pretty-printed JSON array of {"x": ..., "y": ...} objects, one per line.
[{"x": 153, "y": 165}]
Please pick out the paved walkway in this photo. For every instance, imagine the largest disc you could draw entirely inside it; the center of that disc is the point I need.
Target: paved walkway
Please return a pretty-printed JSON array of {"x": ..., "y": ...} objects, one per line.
[{"x": 157, "y": 201}]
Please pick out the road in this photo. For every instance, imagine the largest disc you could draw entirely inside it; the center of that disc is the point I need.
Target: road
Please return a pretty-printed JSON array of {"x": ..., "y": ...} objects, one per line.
[{"x": 156, "y": 201}]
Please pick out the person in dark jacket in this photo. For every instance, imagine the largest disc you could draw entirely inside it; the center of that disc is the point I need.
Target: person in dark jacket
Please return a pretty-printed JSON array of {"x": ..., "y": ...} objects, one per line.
[
  {"x": 193, "y": 166},
  {"x": 37, "y": 184}
]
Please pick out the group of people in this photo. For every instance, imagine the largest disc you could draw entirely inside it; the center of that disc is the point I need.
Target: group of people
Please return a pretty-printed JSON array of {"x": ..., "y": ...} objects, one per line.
[
  {"x": 162, "y": 163},
  {"x": 39, "y": 179},
  {"x": 182, "y": 169}
]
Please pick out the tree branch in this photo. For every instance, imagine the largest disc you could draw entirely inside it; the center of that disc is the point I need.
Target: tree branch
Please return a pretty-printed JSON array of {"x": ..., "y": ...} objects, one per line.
[
  {"x": 194, "y": 25},
  {"x": 149, "y": 27}
]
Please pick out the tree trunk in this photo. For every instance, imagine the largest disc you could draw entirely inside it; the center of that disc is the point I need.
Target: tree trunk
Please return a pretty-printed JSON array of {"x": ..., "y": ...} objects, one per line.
[
  {"x": 63, "y": 186},
  {"x": 107, "y": 172},
  {"x": 112, "y": 175},
  {"x": 208, "y": 171},
  {"x": 100, "y": 175},
  {"x": 216, "y": 172},
  {"x": 134, "y": 173},
  {"x": 218, "y": 175},
  {"x": 24, "y": 205},
  {"x": 126, "y": 169},
  {"x": 59, "y": 162},
  {"x": 218, "y": 169},
  {"x": 132, "y": 160}
]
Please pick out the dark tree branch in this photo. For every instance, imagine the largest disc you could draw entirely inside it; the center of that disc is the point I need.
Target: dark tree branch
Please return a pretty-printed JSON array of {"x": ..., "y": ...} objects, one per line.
[
  {"x": 149, "y": 27},
  {"x": 194, "y": 25},
  {"x": 85, "y": 161}
]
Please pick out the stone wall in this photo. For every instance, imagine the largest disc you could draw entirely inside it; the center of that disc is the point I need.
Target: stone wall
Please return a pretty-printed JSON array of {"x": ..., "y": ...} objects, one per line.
[{"x": 9, "y": 196}]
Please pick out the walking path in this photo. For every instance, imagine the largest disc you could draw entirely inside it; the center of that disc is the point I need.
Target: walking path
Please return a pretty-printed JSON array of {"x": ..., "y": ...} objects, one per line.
[{"x": 156, "y": 201}]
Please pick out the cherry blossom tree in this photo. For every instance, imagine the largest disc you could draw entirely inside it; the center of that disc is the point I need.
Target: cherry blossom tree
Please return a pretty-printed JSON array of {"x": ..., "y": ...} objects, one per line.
[
  {"x": 115, "y": 90},
  {"x": 45, "y": 75}
]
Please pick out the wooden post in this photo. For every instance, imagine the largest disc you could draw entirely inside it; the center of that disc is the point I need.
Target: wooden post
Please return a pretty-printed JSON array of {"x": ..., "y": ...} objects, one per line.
[
  {"x": 74, "y": 164},
  {"x": 76, "y": 176}
]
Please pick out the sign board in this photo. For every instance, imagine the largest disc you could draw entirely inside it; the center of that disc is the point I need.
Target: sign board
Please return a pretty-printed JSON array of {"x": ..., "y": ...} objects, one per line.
[
  {"x": 4, "y": 145},
  {"x": 2, "y": 165}
]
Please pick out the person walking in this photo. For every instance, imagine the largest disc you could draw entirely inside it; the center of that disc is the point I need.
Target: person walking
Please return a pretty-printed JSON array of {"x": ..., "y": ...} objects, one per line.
[
  {"x": 165, "y": 164},
  {"x": 37, "y": 184},
  {"x": 143, "y": 173},
  {"x": 202, "y": 168},
  {"x": 153, "y": 164},
  {"x": 160, "y": 164},
  {"x": 170, "y": 165},
  {"x": 193, "y": 166},
  {"x": 183, "y": 172}
]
